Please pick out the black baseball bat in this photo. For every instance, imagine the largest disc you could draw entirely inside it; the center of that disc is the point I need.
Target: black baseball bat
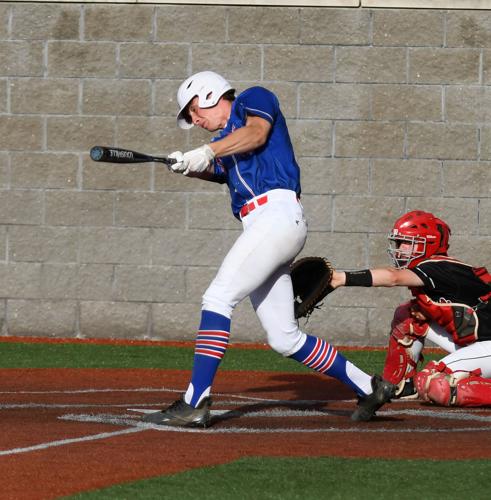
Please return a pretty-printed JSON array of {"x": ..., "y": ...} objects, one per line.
[{"x": 118, "y": 155}]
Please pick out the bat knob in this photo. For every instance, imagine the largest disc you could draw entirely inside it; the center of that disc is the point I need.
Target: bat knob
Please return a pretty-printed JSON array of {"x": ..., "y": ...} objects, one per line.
[{"x": 96, "y": 153}]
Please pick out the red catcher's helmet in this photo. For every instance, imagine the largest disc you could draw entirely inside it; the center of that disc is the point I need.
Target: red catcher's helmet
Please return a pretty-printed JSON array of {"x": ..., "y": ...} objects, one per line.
[{"x": 426, "y": 234}]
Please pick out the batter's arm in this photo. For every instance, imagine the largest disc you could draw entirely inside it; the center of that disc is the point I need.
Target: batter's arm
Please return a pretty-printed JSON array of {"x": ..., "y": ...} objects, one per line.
[{"x": 248, "y": 138}]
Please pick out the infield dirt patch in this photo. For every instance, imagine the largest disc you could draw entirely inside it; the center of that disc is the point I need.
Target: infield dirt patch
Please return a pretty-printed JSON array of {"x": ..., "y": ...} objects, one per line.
[{"x": 79, "y": 429}]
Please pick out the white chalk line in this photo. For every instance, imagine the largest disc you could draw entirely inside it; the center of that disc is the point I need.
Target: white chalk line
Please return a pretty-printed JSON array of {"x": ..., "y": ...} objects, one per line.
[
  {"x": 64, "y": 442},
  {"x": 118, "y": 420}
]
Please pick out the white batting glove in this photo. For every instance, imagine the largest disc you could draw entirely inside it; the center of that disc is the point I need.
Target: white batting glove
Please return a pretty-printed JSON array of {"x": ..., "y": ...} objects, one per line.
[
  {"x": 177, "y": 167},
  {"x": 198, "y": 160}
]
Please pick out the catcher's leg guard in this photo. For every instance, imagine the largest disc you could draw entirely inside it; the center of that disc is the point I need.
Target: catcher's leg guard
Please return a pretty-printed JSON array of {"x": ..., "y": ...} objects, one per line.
[
  {"x": 405, "y": 345},
  {"x": 423, "y": 378},
  {"x": 460, "y": 389}
]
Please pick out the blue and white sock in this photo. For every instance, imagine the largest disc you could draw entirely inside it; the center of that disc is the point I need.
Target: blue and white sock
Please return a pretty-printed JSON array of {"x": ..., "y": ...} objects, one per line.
[
  {"x": 324, "y": 358},
  {"x": 211, "y": 345}
]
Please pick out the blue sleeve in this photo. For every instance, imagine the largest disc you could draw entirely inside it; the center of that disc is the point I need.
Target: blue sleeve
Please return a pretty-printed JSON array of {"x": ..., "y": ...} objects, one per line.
[{"x": 258, "y": 101}]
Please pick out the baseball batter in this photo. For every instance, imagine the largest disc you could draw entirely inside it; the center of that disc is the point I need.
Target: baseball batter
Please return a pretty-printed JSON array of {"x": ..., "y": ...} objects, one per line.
[
  {"x": 451, "y": 307},
  {"x": 252, "y": 153}
]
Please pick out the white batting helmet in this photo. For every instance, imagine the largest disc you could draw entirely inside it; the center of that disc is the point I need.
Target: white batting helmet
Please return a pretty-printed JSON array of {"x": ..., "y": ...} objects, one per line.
[{"x": 207, "y": 85}]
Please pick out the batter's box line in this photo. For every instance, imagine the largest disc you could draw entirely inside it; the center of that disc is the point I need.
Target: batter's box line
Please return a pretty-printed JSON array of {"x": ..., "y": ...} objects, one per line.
[{"x": 116, "y": 420}]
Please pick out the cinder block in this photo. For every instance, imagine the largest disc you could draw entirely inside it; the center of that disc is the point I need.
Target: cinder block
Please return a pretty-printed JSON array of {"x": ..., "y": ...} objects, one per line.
[
  {"x": 149, "y": 284},
  {"x": 318, "y": 211},
  {"x": 369, "y": 139},
  {"x": 467, "y": 179},
  {"x": 79, "y": 133},
  {"x": 485, "y": 227},
  {"x": 371, "y": 64},
  {"x": 21, "y": 58},
  {"x": 211, "y": 211},
  {"x": 106, "y": 245},
  {"x": 74, "y": 281},
  {"x": 150, "y": 210},
  {"x": 154, "y": 135},
  {"x": 485, "y": 143},
  {"x": 174, "y": 247},
  {"x": 20, "y": 280},
  {"x": 4, "y": 171},
  {"x": 145, "y": 60},
  {"x": 119, "y": 177},
  {"x": 174, "y": 21},
  {"x": 3, "y": 244},
  {"x": 45, "y": 21},
  {"x": 21, "y": 207},
  {"x": 94, "y": 281},
  {"x": 406, "y": 178},
  {"x": 468, "y": 28},
  {"x": 307, "y": 63},
  {"x": 175, "y": 321},
  {"x": 334, "y": 101},
  {"x": 198, "y": 279},
  {"x": 118, "y": 22},
  {"x": 407, "y": 27},
  {"x": 366, "y": 215},
  {"x": 311, "y": 138},
  {"x": 42, "y": 318},
  {"x": 334, "y": 176},
  {"x": 79, "y": 208},
  {"x": 445, "y": 66},
  {"x": 43, "y": 244},
  {"x": 461, "y": 214},
  {"x": 271, "y": 25},
  {"x": 287, "y": 96},
  {"x": 165, "y": 103},
  {"x": 344, "y": 250},
  {"x": 114, "y": 319},
  {"x": 44, "y": 170},
  {"x": 44, "y": 96},
  {"x": 468, "y": 104},
  {"x": 345, "y": 26},
  {"x": 4, "y": 18},
  {"x": 116, "y": 97},
  {"x": 379, "y": 321},
  {"x": 20, "y": 133},
  {"x": 406, "y": 102},
  {"x": 246, "y": 60},
  {"x": 3, "y": 96},
  {"x": 442, "y": 141},
  {"x": 473, "y": 250},
  {"x": 347, "y": 325},
  {"x": 82, "y": 59},
  {"x": 168, "y": 181}
]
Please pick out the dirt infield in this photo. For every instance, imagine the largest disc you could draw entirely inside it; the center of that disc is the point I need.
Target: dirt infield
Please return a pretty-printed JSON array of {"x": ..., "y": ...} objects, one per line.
[{"x": 79, "y": 429}]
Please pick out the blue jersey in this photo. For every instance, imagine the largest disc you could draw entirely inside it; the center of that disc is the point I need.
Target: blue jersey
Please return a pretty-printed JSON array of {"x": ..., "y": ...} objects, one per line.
[{"x": 272, "y": 166}]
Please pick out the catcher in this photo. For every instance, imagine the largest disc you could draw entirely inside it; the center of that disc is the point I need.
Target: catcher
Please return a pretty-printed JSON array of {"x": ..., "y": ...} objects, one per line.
[{"x": 451, "y": 307}]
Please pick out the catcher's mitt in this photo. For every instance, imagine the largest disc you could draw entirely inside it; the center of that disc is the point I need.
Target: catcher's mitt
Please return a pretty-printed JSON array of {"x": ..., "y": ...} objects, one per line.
[{"x": 311, "y": 279}]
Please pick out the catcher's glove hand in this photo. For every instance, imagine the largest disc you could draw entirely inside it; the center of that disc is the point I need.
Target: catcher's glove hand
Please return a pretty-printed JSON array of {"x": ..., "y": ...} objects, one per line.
[{"x": 311, "y": 279}]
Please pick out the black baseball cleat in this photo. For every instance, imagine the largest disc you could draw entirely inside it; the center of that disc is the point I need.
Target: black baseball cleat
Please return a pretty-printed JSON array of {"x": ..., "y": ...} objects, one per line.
[
  {"x": 382, "y": 393},
  {"x": 181, "y": 414}
]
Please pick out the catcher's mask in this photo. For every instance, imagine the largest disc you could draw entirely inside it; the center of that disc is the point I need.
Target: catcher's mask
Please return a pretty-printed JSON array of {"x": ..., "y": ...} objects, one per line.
[{"x": 425, "y": 235}]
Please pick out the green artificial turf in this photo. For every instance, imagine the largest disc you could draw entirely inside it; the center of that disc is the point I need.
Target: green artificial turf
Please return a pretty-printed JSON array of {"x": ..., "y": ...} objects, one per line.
[
  {"x": 314, "y": 478},
  {"x": 72, "y": 355}
]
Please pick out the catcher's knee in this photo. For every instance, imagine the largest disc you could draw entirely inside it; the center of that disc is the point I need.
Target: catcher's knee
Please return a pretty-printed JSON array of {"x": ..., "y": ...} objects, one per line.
[{"x": 436, "y": 372}]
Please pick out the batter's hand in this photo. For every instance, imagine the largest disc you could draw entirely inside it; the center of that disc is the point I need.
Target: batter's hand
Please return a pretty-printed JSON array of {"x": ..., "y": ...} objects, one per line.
[
  {"x": 177, "y": 167},
  {"x": 198, "y": 160}
]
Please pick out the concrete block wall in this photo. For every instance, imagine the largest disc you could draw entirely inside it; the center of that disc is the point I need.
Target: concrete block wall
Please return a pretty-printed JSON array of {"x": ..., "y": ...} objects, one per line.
[{"x": 389, "y": 110}]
